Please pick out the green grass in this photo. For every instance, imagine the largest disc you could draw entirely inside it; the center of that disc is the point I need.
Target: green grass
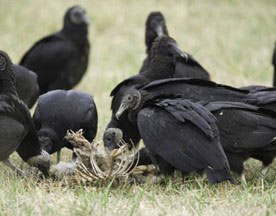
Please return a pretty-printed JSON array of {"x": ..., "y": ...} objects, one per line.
[{"x": 232, "y": 39}]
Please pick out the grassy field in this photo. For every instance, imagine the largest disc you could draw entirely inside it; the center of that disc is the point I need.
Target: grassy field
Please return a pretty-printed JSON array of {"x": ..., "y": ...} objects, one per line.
[{"x": 232, "y": 39}]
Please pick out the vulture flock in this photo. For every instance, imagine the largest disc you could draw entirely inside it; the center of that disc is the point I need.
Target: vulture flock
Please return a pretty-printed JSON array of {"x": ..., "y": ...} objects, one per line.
[{"x": 186, "y": 121}]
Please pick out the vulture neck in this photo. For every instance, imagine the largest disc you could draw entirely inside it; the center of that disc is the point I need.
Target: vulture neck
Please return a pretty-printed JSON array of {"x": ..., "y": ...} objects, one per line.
[
  {"x": 161, "y": 68},
  {"x": 150, "y": 36},
  {"x": 48, "y": 132},
  {"x": 77, "y": 34}
]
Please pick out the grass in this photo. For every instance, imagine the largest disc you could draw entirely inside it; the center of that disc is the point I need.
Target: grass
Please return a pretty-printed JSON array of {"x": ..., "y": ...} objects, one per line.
[{"x": 232, "y": 39}]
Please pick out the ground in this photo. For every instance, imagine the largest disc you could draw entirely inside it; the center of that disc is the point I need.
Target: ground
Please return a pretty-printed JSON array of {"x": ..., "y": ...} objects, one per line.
[{"x": 231, "y": 39}]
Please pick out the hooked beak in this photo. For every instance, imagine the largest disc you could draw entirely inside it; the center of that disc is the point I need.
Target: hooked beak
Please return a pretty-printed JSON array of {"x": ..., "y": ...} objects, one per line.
[
  {"x": 159, "y": 30},
  {"x": 121, "y": 110},
  {"x": 179, "y": 53},
  {"x": 85, "y": 19}
]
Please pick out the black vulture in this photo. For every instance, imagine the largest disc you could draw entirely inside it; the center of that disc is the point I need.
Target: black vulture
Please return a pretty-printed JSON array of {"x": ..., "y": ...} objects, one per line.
[
  {"x": 156, "y": 26},
  {"x": 183, "y": 135},
  {"x": 58, "y": 111},
  {"x": 245, "y": 130},
  {"x": 163, "y": 52},
  {"x": 26, "y": 85},
  {"x": 61, "y": 59},
  {"x": 17, "y": 131},
  {"x": 274, "y": 64}
]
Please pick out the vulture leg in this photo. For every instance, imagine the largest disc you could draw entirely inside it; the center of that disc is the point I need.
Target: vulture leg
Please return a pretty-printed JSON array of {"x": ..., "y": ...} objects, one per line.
[
  {"x": 58, "y": 156},
  {"x": 243, "y": 180}
]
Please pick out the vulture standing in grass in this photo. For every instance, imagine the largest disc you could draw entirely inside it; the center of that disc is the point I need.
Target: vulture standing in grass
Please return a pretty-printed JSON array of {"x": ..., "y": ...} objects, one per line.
[
  {"x": 26, "y": 85},
  {"x": 184, "y": 68},
  {"x": 183, "y": 135},
  {"x": 245, "y": 130},
  {"x": 58, "y": 111},
  {"x": 61, "y": 59},
  {"x": 164, "y": 51},
  {"x": 17, "y": 131},
  {"x": 274, "y": 64}
]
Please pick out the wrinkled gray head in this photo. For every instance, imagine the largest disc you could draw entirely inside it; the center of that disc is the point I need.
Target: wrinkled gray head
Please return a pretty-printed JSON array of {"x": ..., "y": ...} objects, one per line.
[
  {"x": 42, "y": 162},
  {"x": 45, "y": 143},
  {"x": 131, "y": 101},
  {"x": 76, "y": 15},
  {"x": 112, "y": 138}
]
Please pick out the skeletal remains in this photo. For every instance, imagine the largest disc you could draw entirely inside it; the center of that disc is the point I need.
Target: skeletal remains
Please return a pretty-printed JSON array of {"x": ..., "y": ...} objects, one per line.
[{"x": 94, "y": 164}]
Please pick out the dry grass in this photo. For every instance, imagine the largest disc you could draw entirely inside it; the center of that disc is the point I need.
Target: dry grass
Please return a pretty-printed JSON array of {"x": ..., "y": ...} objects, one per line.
[{"x": 232, "y": 39}]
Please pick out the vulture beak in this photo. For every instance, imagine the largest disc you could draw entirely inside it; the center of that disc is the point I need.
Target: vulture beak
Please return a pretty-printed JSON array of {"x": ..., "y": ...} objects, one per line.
[
  {"x": 179, "y": 53},
  {"x": 159, "y": 30},
  {"x": 85, "y": 19},
  {"x": 121, "y": 110}
]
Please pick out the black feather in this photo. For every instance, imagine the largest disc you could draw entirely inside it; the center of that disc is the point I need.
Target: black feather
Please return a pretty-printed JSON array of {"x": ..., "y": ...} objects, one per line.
[{"x": 26, "y": 85}]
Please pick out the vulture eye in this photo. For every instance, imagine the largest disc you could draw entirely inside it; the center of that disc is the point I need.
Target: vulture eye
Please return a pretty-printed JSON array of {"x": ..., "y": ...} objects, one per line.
[
  {"x": 3, "y": 63},
  {"x": 165, "y": 46},
  {"x": 129, "y": 98}
]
